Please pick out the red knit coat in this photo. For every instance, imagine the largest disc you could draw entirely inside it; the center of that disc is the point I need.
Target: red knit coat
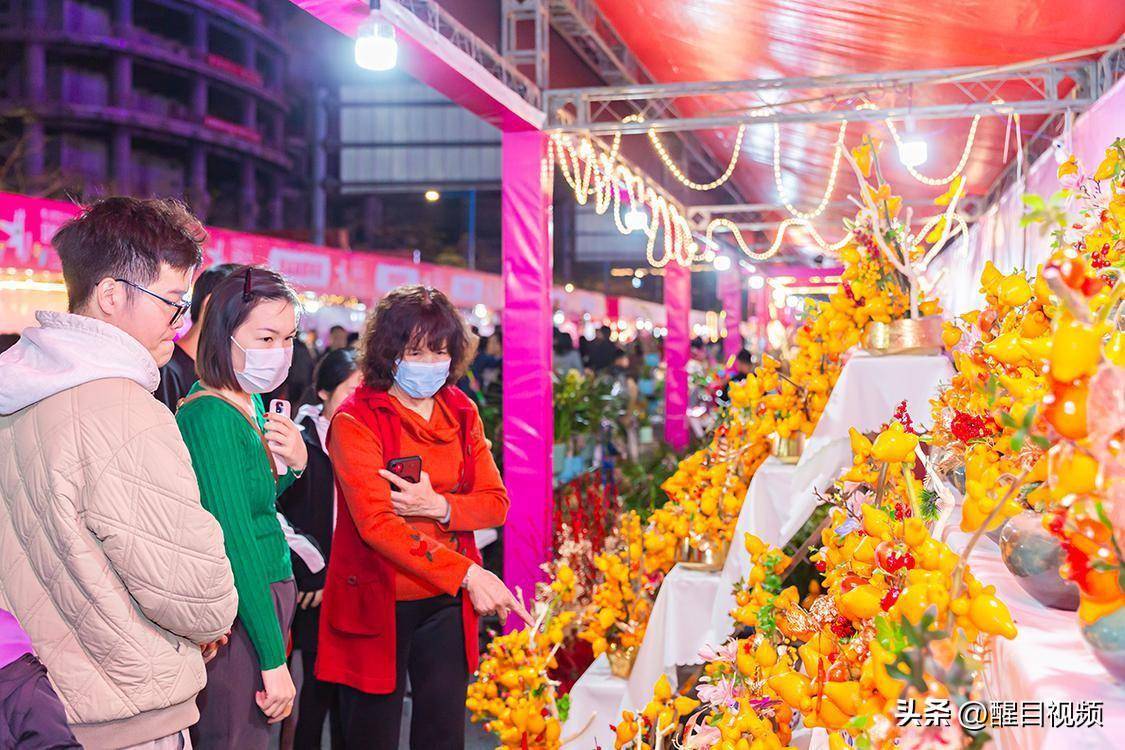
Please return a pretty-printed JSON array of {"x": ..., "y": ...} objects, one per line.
[{"x": 372, "y": 546}]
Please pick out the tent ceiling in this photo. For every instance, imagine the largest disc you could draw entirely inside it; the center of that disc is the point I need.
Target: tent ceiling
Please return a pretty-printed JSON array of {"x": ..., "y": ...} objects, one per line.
[{"x": 716, "y": 40}]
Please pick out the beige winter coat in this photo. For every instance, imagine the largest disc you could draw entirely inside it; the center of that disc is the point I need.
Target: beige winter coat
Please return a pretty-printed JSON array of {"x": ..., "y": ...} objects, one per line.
[{"x": 107, "y": 558}]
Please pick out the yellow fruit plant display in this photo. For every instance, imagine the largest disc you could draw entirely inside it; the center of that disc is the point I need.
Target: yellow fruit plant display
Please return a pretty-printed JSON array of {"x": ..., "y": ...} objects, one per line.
[
  {"x": 1083, "y": 405},
  {"x": 620, "y": 602},
  {"x": 899, "y": 608},
  {"x": 511, "y": 693},
  {"x": 1034, "y": 413}
]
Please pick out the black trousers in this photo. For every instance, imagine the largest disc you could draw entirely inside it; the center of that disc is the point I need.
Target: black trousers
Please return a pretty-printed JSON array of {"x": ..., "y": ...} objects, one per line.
[
  {"x": 316, "y": 701},
  {"x": 31, "y": 714},
  {"x": 430, "y": 644}
]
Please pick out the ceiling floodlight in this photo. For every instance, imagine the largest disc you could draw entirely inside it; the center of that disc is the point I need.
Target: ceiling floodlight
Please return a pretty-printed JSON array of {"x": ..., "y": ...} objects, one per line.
[
  {"x": 375, "y": 44},
  {"x": 913, "y": 153}
]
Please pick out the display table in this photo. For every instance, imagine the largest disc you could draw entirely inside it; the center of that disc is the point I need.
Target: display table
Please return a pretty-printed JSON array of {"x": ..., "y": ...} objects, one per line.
[
  {"x": 677, "y": 629},
  {"x": 765, "y": 511},
  {"x": 691, "y": 608},
  {"x": 594, "y": 700},
  {"x": 865, "y": 396},
  {"x": 1048, "y": 662}
]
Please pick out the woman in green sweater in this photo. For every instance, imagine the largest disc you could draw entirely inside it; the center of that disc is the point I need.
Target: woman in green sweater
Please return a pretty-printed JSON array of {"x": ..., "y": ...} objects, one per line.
[{"x": 243, "y": 459}]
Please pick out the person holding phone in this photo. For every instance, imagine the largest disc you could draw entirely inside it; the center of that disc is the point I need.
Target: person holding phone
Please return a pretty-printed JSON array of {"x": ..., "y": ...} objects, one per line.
[
  {"x": 310, "y": 506},
  {"x": 245, "y": 347},
  {"x": 404, "y": 583}
]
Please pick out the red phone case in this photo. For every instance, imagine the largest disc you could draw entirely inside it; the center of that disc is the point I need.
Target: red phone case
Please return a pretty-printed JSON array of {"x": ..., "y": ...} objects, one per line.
[{"x": 409, "y": 468}]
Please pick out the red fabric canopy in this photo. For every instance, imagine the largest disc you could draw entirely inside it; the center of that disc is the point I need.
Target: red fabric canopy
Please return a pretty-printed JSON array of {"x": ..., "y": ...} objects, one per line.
[{"x": 714, "y": 40}]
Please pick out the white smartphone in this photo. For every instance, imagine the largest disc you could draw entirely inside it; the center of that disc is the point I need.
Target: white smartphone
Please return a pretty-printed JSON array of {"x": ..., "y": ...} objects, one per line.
[{"x": 281, "y": 406}]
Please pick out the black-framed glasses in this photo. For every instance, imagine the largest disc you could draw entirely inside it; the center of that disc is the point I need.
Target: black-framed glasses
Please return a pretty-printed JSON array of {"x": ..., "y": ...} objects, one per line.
[{"x": 181, "y": 307}]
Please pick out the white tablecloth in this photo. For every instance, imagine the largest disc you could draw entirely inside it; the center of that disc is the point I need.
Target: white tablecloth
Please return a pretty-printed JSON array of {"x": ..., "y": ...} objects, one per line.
[
  {"x": 769, "y": 501},
  {"x": 865, "y": 397},
  {"x": 676, "y": 631},
  {"x": 594, "y": 701}
]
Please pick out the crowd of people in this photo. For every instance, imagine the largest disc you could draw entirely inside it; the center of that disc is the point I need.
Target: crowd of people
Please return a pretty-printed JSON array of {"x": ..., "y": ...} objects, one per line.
[{"x": 166, "y": 562}]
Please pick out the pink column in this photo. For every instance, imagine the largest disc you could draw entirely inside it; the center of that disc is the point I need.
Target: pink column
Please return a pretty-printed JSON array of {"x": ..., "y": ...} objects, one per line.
[
  {"x": 730, "y": 297},
  {"x": 763, "y": 309},
  {"x": 528, "y": 421},
  {"x": 677, "y": 308}
]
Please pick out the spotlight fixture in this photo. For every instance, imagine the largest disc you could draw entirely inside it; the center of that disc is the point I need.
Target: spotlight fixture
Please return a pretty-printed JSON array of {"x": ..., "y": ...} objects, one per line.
[
  {"x": 722, "y": 262},
  {"x": 432, "y": 196},
  {"x": 375, "y": 44},
  {"x": 757, "y": 282}
]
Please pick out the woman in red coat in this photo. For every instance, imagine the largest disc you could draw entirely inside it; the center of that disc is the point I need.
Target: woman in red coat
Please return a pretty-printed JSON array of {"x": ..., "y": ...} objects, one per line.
[{"x": 404, "y": 583}]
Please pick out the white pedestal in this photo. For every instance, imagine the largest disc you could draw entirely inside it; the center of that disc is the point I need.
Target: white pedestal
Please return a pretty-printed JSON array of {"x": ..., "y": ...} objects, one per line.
[
  {"x": 676, "y": 631},
  {"x": 594, "y": 702},
  {"x": 765, "y": 511},
  {"x": 865, "y": 397}
]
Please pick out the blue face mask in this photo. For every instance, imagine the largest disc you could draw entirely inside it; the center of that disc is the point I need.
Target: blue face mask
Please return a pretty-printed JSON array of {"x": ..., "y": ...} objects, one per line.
[{"x": 421, "y": 379}]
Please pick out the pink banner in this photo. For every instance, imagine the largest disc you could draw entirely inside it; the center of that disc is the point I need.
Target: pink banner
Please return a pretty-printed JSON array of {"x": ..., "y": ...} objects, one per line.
[
  {"x": 677, "y": 306},
  {"x": 730, "y": 297},
  {"x": 28, "y": 224},
  {"x": 528, "y": 418}
]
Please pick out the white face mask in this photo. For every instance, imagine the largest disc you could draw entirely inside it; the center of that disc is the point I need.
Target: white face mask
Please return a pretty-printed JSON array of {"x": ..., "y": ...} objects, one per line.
[{"x": 265, "y": 369}]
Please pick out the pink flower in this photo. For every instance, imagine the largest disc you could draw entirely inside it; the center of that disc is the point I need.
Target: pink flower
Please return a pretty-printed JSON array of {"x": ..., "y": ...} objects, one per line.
[
  {"x": 726, "y": 652},
  {"x": 723, "y": 692},
  {"x": 1071, "y": 181},
  {"x": 702, "y": 737}
]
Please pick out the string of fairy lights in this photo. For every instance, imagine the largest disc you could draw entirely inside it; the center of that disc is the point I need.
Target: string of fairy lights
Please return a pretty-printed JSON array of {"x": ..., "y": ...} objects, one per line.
[{"x": 593, "y": 169}]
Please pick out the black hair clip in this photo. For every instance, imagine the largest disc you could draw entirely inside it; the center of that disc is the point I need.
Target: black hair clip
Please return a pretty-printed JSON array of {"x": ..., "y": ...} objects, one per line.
[{"x": 247, "y": 295}]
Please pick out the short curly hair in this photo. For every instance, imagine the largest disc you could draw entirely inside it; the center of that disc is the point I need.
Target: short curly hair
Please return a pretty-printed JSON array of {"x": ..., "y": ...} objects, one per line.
[{"x": 411, "y": 315}]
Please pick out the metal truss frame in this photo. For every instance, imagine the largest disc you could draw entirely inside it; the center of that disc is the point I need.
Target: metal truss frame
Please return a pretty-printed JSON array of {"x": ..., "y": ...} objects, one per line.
[
  {"x": 1107, "y": 70},
  {"x": 580, "y": 22},
  {"x": 505, "y": 70},
  {"x": 515, "y": 47},
  {"x": 699, "y": 216},
  {"x": 594, "y": 39},
  {"x": 834, "y": 98}
]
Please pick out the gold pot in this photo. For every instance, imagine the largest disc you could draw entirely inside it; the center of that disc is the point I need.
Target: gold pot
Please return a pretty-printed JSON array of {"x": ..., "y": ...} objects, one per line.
[
  {"x": 904, "y": 336},
  {"x": 621, "y": 660},
  {"x": 706, "y": 556},
  {"x": 787, "y": 450}
]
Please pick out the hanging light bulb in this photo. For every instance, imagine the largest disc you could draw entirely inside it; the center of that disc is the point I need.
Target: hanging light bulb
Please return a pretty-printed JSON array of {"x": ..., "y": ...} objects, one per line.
[
  {"x": 375, "y": 44},
  {"x": 913, "y": 153},
  {"x": 722, "y": 263},
  {"x": 637, "y": 282},
  {"x": 635, "y": 219},
  {"x": 912, "y": 150},
  {"x": 757, "y": 282}
]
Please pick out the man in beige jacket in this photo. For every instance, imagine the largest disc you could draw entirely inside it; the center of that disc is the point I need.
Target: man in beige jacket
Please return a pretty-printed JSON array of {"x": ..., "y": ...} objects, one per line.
[{"x": 107, "y": 558}]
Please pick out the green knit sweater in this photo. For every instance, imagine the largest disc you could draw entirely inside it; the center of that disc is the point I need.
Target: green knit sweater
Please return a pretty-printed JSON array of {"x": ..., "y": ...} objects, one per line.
[{"x": 236, "y": 485}]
